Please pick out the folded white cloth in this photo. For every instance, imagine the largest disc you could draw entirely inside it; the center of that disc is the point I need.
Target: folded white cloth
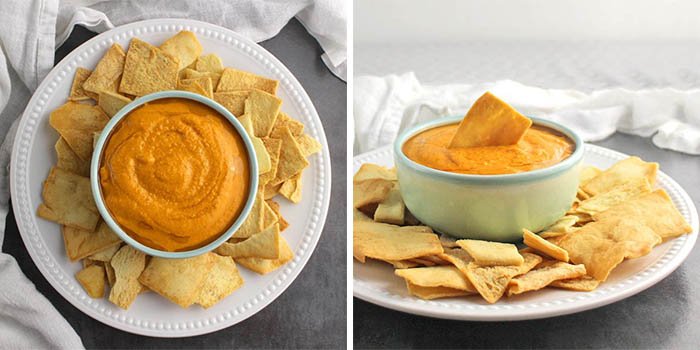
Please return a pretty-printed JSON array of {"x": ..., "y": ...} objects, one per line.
[
  {"x": 325, "y": 20},
  {"x": 385, "y": 106},
  {"x": 31, "y": 31}
]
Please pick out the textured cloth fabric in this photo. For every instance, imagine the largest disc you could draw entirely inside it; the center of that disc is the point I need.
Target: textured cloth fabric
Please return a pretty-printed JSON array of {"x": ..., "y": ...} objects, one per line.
[
  {"x": 385, "y": 106},
  {"x": 29, "y": 36}
]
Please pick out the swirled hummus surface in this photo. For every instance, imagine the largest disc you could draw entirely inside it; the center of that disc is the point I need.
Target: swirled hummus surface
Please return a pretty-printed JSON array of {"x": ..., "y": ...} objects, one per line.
[
  {"x": 539, "y": 148},
  {"x": 174, "y": 174}
]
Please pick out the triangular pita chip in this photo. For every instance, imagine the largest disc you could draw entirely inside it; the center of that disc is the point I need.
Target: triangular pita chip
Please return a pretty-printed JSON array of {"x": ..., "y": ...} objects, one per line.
[
  {"x": 490, "y": 122},
  {"x": 76, "y": 122}
]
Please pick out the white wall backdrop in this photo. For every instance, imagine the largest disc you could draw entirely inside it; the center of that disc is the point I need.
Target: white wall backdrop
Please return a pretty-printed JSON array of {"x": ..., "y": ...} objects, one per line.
[{"x": 415, "y": 21}]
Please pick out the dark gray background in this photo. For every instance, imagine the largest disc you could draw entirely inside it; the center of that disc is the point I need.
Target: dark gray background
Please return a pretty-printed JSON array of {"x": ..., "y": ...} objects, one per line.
[
  {"x": 666, "y": 315},
  {"x": 311, "y": 313}
]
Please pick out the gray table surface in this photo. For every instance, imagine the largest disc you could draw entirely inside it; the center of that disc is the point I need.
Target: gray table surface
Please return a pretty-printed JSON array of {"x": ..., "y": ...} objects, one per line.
[
  {"x": 666, "y": 315},
  {"x": 311, "y": 313}
]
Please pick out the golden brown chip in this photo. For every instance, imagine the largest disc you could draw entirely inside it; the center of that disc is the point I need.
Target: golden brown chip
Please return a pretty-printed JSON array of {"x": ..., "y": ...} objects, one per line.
[
  {"x": 68, "y": 160},
  {"x": 184, "y": 46},
  {"x": 564, "y": 224},
  {"x": 271, "y": 190},
  {"x": 606, "y": 200},
  {"x": 200, "y": 86},
  {"x": 491, "y": 281},
  {"x": 291, "y": 189},
  {"x": 273, "y": 147},
  {"x": 435, "y": 259},
  {"x": 264, "y": 162},
  {"x": 280, "y": 220},
  {"x": 551, "y": 234},
  {"x": 105, "y": 254},
  {"x": 128, "y": 264},
  {"x": 87, "y": 262},
  {"x": 76, "y": 122},
  {"x": 436, "y": 276},
  {"x": 111, "y": 276},
  {"x": 372, "y": 184},
  {"x": 581, "y": 284},
  {"x": 541, "y": 277},
  {"x": 391, "y": 210},
  {"x": 108, "y": 72},
  {"x": 620, "y": 173},
  {"x": 422, "y": 262},
  {"x": 602, "y": 245},
  {"x": 429, "y": 293},
  {"x": 491, "y": 253},
  {"x": 222, "y": 280},
  {"x": 148, "y": 69},
  {"x": 370, "y": 192},
  {"x": 68, "y": 200},
  {"x": 92, "y": 279},
  {"x": 389, "y": 242},
  {"x": 178, "y": 280},
  {"x": 112, "y": 102},
  {"x": 655, "y": 210},
  {"x": 234, "y": 79},
  {"x": 254, "y": 222},
  {"x": 269, "y": 215},
  {"x": 490, "y": 122},
  {"x": 291, "y": 160},
  {"x": 264, "y": 245},
  {"x": 448, "y": 241},
  {"x": 77, "y": 93},
  {"x": 262, "y": 108},
  {"x": 457, "y": 257},
  {"x": 209, "y": 63},
  {"x": 80, "y": 244},
  {"x": 193, "y": 74},
  {"x": 294, "y": 126},
  {"x": 588, "y": 173},
  {"x": 369, "y": 171},
  {"x": 234, "y": 101},
  {"x": 308, "y": 144},
  {"x": 543, "y": 246},
  {"x": 580, "y": 196},
  {"x": 265, "y": 266},
  {"x": 402, "y": 264}
]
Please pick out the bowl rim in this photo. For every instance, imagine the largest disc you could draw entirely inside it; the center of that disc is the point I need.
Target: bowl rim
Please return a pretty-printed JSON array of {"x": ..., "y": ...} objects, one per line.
[
  {"x": 526, "y": 176},
  {"x": 97, "y": 188}
]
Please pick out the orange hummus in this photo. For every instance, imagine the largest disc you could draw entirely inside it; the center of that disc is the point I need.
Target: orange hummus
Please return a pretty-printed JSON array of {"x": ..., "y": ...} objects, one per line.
[
  {"x": 539, "y": 148},
  {"x": 174, "y": 174}
]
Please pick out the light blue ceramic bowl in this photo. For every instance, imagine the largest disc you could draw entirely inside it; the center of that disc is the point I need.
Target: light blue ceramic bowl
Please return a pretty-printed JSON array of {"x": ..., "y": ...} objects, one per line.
[
  {"x": 489, "y": 207},
  {"x": 97, "y": 189}
]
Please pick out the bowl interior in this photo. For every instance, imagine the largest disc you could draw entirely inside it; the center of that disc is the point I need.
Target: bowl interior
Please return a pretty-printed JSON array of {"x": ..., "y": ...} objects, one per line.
[
  {"x": 572, "y": 160},
  {"x": 97, "y": 188}
]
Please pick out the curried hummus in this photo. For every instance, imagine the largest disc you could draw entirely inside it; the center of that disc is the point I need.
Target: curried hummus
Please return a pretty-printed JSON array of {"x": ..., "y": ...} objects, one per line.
[
  {"x": 174, "y": 174},
  {"x": 539, "y": 148}
]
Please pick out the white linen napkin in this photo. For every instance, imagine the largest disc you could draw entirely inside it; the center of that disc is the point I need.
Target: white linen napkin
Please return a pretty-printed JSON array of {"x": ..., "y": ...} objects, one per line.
[
  {"x": 385, "y": 106},
  {"x": 30, "y": 33},
  {"x": 325, "y": 20}
]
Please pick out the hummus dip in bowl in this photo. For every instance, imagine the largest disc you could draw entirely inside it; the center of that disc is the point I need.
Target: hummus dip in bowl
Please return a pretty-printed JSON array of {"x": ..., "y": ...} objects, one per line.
[
  {"x": 488, "y": 193},
  {"x": 174, "y": 174}
]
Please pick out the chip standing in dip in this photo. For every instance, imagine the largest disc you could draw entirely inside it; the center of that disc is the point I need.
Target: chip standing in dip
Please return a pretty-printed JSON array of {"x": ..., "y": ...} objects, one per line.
[
  {"x": 174, "y": 174},
  {"x": 488, "y": 174},
  {"x": 539, "y": 148}
]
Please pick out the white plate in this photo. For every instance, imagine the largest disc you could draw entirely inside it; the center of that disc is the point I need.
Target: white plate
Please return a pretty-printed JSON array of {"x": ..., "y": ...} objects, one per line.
[
  {"x": 33, "y": 155},
  {"x": 375, "y": 282}
]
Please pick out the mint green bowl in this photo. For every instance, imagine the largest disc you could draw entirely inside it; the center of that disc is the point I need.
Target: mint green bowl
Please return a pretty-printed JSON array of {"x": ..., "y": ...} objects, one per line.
[
  {"x": 97, "y": 188},
  {"x": 488, "y": 207}
]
